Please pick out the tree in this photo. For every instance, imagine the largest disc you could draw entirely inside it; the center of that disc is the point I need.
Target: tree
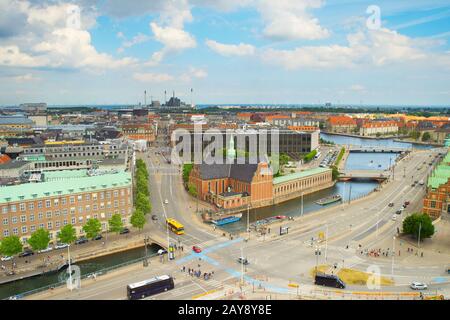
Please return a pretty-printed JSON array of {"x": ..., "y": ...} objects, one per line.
[
  {"x": 284, "y": 159},
  {"x": 426, "y": 136},
  {"x": 335, "y": 173},
  {"x": 67, "y": 234},
  {"x": 310, "y": 156},
  {"x": 142, "y": 203},
  {"x": 115, "y": 223},
  {"x": 416, "y": 221},
  {"x": 192, "y": 189},
  {"x": 138, "y": 219},
  {"x": 187, "y": 168},
  {"x": 10, "y": 246},
  {"x": 415, "y": 135},
  {"x": 39, "y": 240},
  {"x": 92, "y": 228}
]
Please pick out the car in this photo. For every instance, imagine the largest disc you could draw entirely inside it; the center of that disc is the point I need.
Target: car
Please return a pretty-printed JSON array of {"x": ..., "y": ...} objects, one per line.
[
  {"x": 48, "y": 249},
  {"x": 166, "y": 201},
  {"x": 154, "y": 217},
  {"x": 391, "y": 204},
  {"x": 6, "y": 258},
  {"x": 394, "y": 217},
  {"x": 413, "y": 185},
  {"x": 196, "y": 249},
  {"x": 402, "y": 208},
  {"x": 81, "y": 240},
  {"x": 406, "y": 203},
  {"x": 26, "y": 253},
  {"x": 418, "y": 286},
  {"x": 60, "y": 245},
  {"x": 98, "y": 237},
  {"x": 398, "y": 212},
  {"x": 243, "y": 261},
  {"x": 124, "y": 231}
]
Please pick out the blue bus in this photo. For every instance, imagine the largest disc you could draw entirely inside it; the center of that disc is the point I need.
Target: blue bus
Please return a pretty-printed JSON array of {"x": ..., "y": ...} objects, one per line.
[{"x": 140, "y": 290}]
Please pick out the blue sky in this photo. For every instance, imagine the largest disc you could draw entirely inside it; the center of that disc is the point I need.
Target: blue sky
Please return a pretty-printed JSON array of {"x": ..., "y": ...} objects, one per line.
[{"x": 228, "y": 51}]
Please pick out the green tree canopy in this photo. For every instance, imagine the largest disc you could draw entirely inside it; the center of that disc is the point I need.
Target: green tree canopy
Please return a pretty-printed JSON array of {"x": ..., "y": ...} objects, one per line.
[
  {"x": 92, "y": 228},
  {"x": 416, "y": 221},
  {"x": 310, "y": 156},
  {"x": 335, "y": 173},
  {"x": 10, "y": 246},
  {"x": 142, "y": 203},
  {"x": 67, "y": 234},
  {"x": 138, "y": 219},
  {"x": 40, "y": 239},
  {"x": 115, "y": 223},
  {"x": 192, "y": 189},
  {"x": 187, "y": 168},
  {"x": 426, "y": 136}
]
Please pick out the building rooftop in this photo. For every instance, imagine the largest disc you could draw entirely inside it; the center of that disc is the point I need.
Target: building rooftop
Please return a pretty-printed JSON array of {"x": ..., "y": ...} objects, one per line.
[
  {"x": 299, "y": 175},
  {"x": 69, "y": 182},
  {"x": 440, "y": 174}
]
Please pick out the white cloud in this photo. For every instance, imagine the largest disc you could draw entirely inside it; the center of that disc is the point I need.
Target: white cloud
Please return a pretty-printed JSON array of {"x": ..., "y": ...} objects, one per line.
[
  {"x": 22, "y": 78},
  {"x": 289, "y": 19},
  {"x": 170, "y": 32},
  {"x": 375, "y": 47},
  {"x": 357, "y": 87},
  {"x": 241, "y": 49},
  {"x": 137, "y": 39},
  {"x": 192, "y": 73},
  {"x": 52, "y": 36},
  {"x": 152, "y": 77}
]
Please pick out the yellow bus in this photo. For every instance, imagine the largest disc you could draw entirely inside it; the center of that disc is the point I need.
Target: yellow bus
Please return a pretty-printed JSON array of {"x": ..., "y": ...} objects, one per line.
[{"x": 175, "y": 226}]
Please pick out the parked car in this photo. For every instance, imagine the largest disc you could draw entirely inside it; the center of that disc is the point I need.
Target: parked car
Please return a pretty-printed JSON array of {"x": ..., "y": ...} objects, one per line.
[
  {"x": 394, "y": 217},
  {"x": 60, "y": 245},
  {"x": 407, "y": 203},
  {"x": 196, "y": 249},
  {"x": 6, "y": 258},
  {"x": 48, "y": 249},
  {"x": 98, "y": 237},
  {"x": 81, "y": 240},
  {"x": 154, "y": 217},
  {"x": 124, "y": 231},
  {"x": 166, "y": 201},
  {"x": 418, "y": 286},
  {"x": 243, "y": 261},
  {"x": 329, "y": 281},
  {"x": 26, "y": 253},
  {"x": 391, "y": 204},
  {"x": 398, "y": 212}
]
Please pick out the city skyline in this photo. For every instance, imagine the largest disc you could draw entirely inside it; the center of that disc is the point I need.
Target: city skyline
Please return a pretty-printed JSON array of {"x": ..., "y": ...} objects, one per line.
[{"x": 248, "y": 52}]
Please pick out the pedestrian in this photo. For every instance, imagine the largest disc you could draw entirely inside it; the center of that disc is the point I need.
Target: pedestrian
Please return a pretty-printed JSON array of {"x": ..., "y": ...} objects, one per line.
[
  {"x": 184, "y": 268},
  {"x": 421, "y": 254}
]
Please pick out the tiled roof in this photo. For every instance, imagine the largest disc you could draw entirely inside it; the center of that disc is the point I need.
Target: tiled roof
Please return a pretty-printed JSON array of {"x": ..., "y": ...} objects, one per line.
[
  {"x": 241, "y": 172},
  {"x": 341, "y": 120}
]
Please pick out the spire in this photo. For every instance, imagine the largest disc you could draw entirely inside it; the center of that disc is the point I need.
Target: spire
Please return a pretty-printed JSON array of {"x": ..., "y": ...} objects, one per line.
[{"x": 231, "y": 152}]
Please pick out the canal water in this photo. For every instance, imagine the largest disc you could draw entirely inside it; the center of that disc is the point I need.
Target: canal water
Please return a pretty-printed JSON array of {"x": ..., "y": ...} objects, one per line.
[
  {"x": 86, "y": 267},
  {"x": 365, "y": 142},
  {"x": 370, "y": 161},
  {"x": 349, "y": 190}
]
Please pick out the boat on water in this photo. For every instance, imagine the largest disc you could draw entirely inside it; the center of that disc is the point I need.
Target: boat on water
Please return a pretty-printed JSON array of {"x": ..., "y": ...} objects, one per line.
[
  {"x": 328, "y": 200},
  {"x": 227, "y": 219}
]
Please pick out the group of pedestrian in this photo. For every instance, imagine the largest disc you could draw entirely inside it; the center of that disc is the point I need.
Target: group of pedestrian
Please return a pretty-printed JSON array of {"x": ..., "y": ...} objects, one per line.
[
  {"x": 198, "y": 273},
  {"x": 411, "y": 250}
]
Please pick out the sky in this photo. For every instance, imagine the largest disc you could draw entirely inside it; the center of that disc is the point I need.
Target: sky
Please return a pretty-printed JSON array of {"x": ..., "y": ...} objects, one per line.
[{"x": 228, "y": 51}]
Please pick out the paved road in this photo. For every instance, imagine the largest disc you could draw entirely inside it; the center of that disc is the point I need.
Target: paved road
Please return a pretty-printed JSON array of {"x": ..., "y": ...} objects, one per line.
[{"x": 277, "y": 260}]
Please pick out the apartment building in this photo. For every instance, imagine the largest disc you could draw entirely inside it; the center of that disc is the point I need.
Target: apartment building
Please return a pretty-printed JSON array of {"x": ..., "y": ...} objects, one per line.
[{"x": 64, "y": 197}]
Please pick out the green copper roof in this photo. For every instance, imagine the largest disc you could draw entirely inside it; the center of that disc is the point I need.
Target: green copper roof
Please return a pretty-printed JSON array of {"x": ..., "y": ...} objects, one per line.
[
  {"x": 299, "y": 175},
  {"x": 440, "y": 174},
  {"x": 65, "y": 186}
]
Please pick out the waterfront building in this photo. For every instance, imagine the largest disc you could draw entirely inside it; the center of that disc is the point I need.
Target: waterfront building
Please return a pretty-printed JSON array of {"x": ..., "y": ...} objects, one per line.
[
  {"x": 378, "y": 127},
  {"x": 436, "y": 202},
  {"x": 64, "y": 197},
  {"x": 236, "y": 186},
  {"x": 341, "y": 124}
]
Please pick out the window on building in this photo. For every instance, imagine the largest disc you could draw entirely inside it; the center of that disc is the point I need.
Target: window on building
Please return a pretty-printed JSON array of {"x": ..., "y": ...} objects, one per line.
[
  {"x": 49, "y": 214},
  {"x": 32, "y": 228},
  {"x": 63, "y": 201},
  {"x": 24, "y": 229},
  {"x": 31, "y": 206},
  {"x": 72, "y": 200},
  {"x": 14, "y": 220},
  {"x": 22, "y": 207},
  {"x": 5, "y": 221},
  {"x": 13, "y": 208},
  {"x": 5, "y": 209},
  {"x": 23, "y": 219},
  {"x": 48, "y": 203},
  {"x": 6, "y": 233},
  {"x": 40, "y": 215},
  {"x": 15, "y": 231},
  {"x": 39, "y": 204}
]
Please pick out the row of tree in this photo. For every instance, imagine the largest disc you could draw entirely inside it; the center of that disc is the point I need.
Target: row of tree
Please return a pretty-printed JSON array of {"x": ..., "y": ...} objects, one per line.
[
  {"x": 141, "y": 196},
  {"x": 40, "y": 239}
]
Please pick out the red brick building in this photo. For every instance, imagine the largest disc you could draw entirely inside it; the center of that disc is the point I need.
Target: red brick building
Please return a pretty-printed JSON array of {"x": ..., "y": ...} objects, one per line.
[{"x": 233, "y": 185}]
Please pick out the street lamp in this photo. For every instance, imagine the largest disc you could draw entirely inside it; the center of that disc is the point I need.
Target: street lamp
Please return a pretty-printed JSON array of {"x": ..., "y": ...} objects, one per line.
[
  {"x": 393, "y": 256},
  {"x": 317, "y": 253}
]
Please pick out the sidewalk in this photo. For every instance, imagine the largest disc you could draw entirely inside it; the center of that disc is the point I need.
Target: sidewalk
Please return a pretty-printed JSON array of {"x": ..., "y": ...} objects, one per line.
[{"x": 46, "y": 262}]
